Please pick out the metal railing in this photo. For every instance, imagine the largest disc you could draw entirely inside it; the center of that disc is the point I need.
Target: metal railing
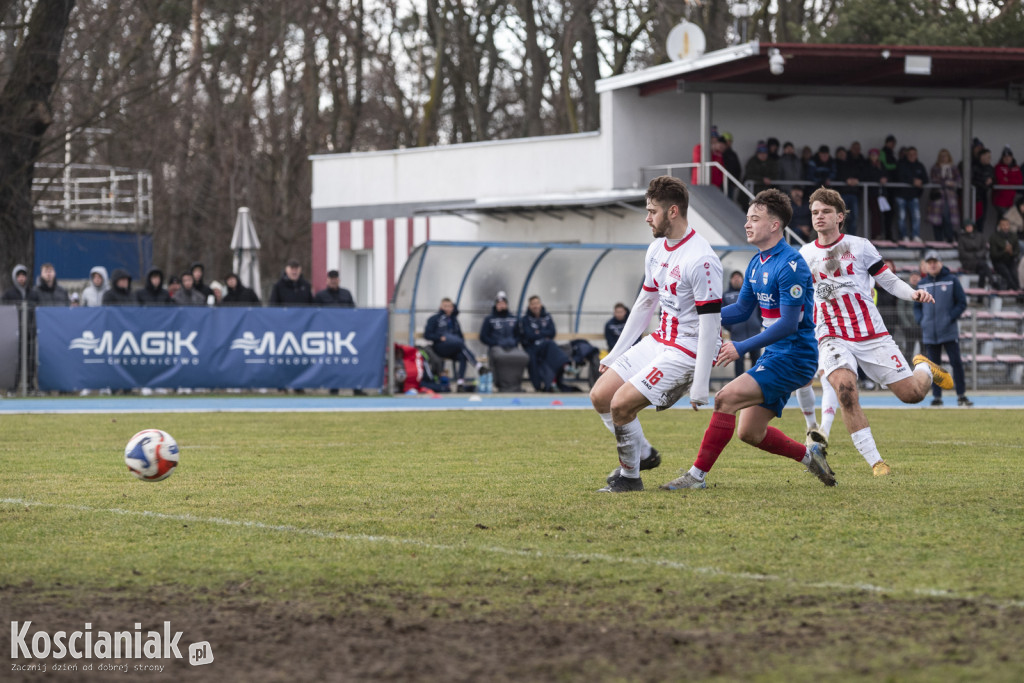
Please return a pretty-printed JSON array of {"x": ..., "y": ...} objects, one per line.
[{"x": 87, "y": 193}]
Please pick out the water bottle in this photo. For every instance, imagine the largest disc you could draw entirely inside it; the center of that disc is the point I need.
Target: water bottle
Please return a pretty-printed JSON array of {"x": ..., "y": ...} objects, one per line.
[{"x": 486, "y": 382}]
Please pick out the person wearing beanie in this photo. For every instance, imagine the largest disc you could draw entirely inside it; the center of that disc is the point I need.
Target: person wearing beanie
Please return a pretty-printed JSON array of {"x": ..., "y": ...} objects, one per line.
[
  {"x": 760, "y": 168},
  {"x": 500, "y": 334},
  {"x": 334, "y": 294}
]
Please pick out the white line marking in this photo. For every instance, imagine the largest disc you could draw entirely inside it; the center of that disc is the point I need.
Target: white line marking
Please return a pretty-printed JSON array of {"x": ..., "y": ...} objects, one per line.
[{"x": 514, "y": 552}]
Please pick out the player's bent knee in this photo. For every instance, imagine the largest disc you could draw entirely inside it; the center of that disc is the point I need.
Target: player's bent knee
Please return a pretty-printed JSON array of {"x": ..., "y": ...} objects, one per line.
[{"x": 847, "y": 393}]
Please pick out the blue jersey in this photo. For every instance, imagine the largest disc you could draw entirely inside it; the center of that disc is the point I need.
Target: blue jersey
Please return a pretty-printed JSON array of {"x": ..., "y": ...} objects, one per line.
[{"x": 780, "y": 277}]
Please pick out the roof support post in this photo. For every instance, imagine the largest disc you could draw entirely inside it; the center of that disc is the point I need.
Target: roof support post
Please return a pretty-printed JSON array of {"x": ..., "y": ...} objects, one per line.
[
  {"x": 967, "y": 136},
  {"x": 706, "y": 105}
]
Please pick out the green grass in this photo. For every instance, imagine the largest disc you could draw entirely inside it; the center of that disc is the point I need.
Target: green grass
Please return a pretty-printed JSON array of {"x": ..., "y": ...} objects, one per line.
[{"x": 496, "y": 512}]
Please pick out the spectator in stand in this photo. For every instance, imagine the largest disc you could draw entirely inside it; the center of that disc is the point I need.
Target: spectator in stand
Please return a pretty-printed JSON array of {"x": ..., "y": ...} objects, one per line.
[
  {"x": 773, "y": 149},
  {"x": 717, "y": 179},
  {"x": 92, "y": 295},
  {"x": 801, "y": 221},
  {"x": 760, "y": 169},
  {"x": 889, "y": 158},
  {"x": 120, "y": 292},
  {"x": 613, "y": 327},
  {"x": 173, "y": 286},
  {"x": 334, "y": 294},
  {"x": 292, "y": 289},
  {"x": 944, "y": 201},
  {"x": 910, "y": 171},
  {"x": 939, "y": 329},
  {"x": 1004, "y": 249},
  {"x": 153, "y": 294},
  {"x": 20, "y": 287},
  {"x": 822, "y": 168},
  {"x": 790, "y": 166},
  {"x": 743, "y": 330},
  {"x": 547, "y": 360},
  {"x": 445, "y": 332},
  {"x": 218, "y": 294},
  {"x": 873, "y": 172},
  {"x": 1007, "y": 173},
  {"x": 188, "y": 295},
  {"x": 238, "y": 294},
  {"x": 983, "y": 177},
  {"x": 856, "y": 158},
  {"x": 731, "y": 162},
  {"x": 500, "y": 334},
  {"x": 806, "y": 157},
  {"x": 1015, "y": 214},
  {"x": 197, "y": 280},
  {"x": 848, "y": 183},
  {"x": 47, "y": 292},
  {"x": 972, "y": 250}
]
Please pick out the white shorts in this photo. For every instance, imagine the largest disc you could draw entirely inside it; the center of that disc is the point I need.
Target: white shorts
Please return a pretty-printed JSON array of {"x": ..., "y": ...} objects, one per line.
[
  {"x": 880, "y": 358},
  {"x": 661, "y": 373}
]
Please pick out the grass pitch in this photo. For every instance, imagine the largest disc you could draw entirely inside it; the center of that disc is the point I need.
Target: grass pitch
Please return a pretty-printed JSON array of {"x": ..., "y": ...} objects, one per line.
[{"x": 473, "y": 546}]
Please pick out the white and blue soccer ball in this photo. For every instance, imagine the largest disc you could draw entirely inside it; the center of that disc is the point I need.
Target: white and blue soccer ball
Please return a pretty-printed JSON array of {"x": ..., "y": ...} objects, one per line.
[{"x": 151, "y": 455}]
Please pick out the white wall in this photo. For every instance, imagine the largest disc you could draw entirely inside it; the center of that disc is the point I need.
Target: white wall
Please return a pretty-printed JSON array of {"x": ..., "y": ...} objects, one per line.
[{"x": 549, "y": 165}]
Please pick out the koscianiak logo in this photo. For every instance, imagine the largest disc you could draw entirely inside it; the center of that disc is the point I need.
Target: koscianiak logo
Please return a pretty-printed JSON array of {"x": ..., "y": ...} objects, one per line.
[{"x": 133, "y": 650}]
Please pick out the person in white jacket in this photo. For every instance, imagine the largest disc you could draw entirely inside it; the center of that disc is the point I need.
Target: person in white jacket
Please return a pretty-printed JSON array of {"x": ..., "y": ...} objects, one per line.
[{"x": 99, "y": 283}]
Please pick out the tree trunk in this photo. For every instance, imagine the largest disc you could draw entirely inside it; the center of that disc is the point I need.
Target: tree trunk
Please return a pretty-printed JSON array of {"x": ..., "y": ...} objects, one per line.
[{"x": 25, "y": 114}]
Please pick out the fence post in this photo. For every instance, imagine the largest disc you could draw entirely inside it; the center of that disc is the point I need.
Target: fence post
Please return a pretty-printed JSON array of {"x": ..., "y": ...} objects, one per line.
[
  {"x": 974, "y": 353},
  {"x": 389, "y": 381},
  {"x": 23, "y": 347}
]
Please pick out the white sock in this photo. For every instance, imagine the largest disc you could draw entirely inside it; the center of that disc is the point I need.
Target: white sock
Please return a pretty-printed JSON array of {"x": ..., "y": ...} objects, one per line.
[
  {"x": 697, "y": 473},
  {"x": 806, "y": 460},
  {"x": 924, "y": 367},
  {"x": 645, "y": 445},
  {"x": 629, "y": 438},
  {"x": 829, "y": 406},
  {"x": 865, "y": 444},
  {"x": 805, "y": 397}
]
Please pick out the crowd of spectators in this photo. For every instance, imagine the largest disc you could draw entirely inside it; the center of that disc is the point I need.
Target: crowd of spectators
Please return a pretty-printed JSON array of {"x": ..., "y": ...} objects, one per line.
[
  {"x": 903, "y": 192},
  {"x": 189, "y": 288}
]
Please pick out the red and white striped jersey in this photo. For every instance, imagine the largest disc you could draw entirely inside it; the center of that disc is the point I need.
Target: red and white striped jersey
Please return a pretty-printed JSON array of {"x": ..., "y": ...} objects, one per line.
[
  {"x": 685, "y": 276},
  {"x": 844, "y": 306}
]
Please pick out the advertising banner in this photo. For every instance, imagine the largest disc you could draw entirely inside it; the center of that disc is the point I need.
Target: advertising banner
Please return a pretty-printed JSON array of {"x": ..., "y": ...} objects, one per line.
[{"x": 127, "y": 347}]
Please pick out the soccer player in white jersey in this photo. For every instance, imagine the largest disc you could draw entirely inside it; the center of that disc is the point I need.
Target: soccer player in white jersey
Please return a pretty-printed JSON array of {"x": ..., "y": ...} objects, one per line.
[
  {"x": 848, "y": 327},
  {"x": 684, "y": 275}
]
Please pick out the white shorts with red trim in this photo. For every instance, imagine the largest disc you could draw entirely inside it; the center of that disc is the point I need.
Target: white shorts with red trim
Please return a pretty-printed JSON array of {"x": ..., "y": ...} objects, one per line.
[
  {"x": 662, "y": 373},
  {"x": 880, "y": 358}
]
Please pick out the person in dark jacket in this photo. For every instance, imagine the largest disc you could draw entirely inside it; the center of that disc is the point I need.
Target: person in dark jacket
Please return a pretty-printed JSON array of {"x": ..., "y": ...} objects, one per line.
[
  {"x": 760, "y": 169},
  {"x": 153, "y": 294},
  {"x": 613, "y": 326},
  {"x": 972, "y": 250},
  {"x": 292, "y": 289},
  {"x": 547, "y": 360},
  {"x": 445, "y": 332},
  {"x": 983, "y": 177},
  {"x": 939, "y": 329},
  {"x": 198, "y": 283},
  {"x": 120, "y": 292},
  {"x": 188, "y": 295},
  {"x": 911, "y": 172},
  {"x": 47, "y": 292},
  {"x": 500, "y": 334},
  {"x": 821, "y": 169},
  {"x": 20, "y": 288},
  {"x": 238, "y": 294},
  {"x": 334, "y": 294},
  {"x": 1004, "y": 250}
]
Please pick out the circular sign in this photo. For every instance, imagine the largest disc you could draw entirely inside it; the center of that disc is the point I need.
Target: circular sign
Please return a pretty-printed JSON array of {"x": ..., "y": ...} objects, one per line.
[{"x": 685, "y": 41}]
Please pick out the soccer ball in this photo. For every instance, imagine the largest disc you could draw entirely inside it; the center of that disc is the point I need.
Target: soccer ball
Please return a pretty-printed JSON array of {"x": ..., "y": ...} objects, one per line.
[{"x": 151, "y": 455}]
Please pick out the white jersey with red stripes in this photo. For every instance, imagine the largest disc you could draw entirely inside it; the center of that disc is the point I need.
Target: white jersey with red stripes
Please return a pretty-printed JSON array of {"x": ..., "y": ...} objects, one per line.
[
  {"x": 685, "y": 276},
  {"x": 844, "y": 305}
]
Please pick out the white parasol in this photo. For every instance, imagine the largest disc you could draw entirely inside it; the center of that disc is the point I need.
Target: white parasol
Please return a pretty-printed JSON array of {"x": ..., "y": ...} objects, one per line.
[{"x": 245, "y": 246}]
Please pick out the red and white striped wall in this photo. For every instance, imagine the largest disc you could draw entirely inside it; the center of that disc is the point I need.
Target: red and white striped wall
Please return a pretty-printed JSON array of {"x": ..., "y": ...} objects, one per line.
[{"x": 388, "y": 242}]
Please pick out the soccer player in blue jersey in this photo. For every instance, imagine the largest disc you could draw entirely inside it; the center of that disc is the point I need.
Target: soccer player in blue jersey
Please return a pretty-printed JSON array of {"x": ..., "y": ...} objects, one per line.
[{"x": 777, "y": 280}]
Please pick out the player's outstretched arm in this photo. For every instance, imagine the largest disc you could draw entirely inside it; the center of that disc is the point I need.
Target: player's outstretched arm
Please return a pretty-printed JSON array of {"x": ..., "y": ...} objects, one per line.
[
  {"x": 709, "y": 320},
  {"x": 891, "y": 283}
]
